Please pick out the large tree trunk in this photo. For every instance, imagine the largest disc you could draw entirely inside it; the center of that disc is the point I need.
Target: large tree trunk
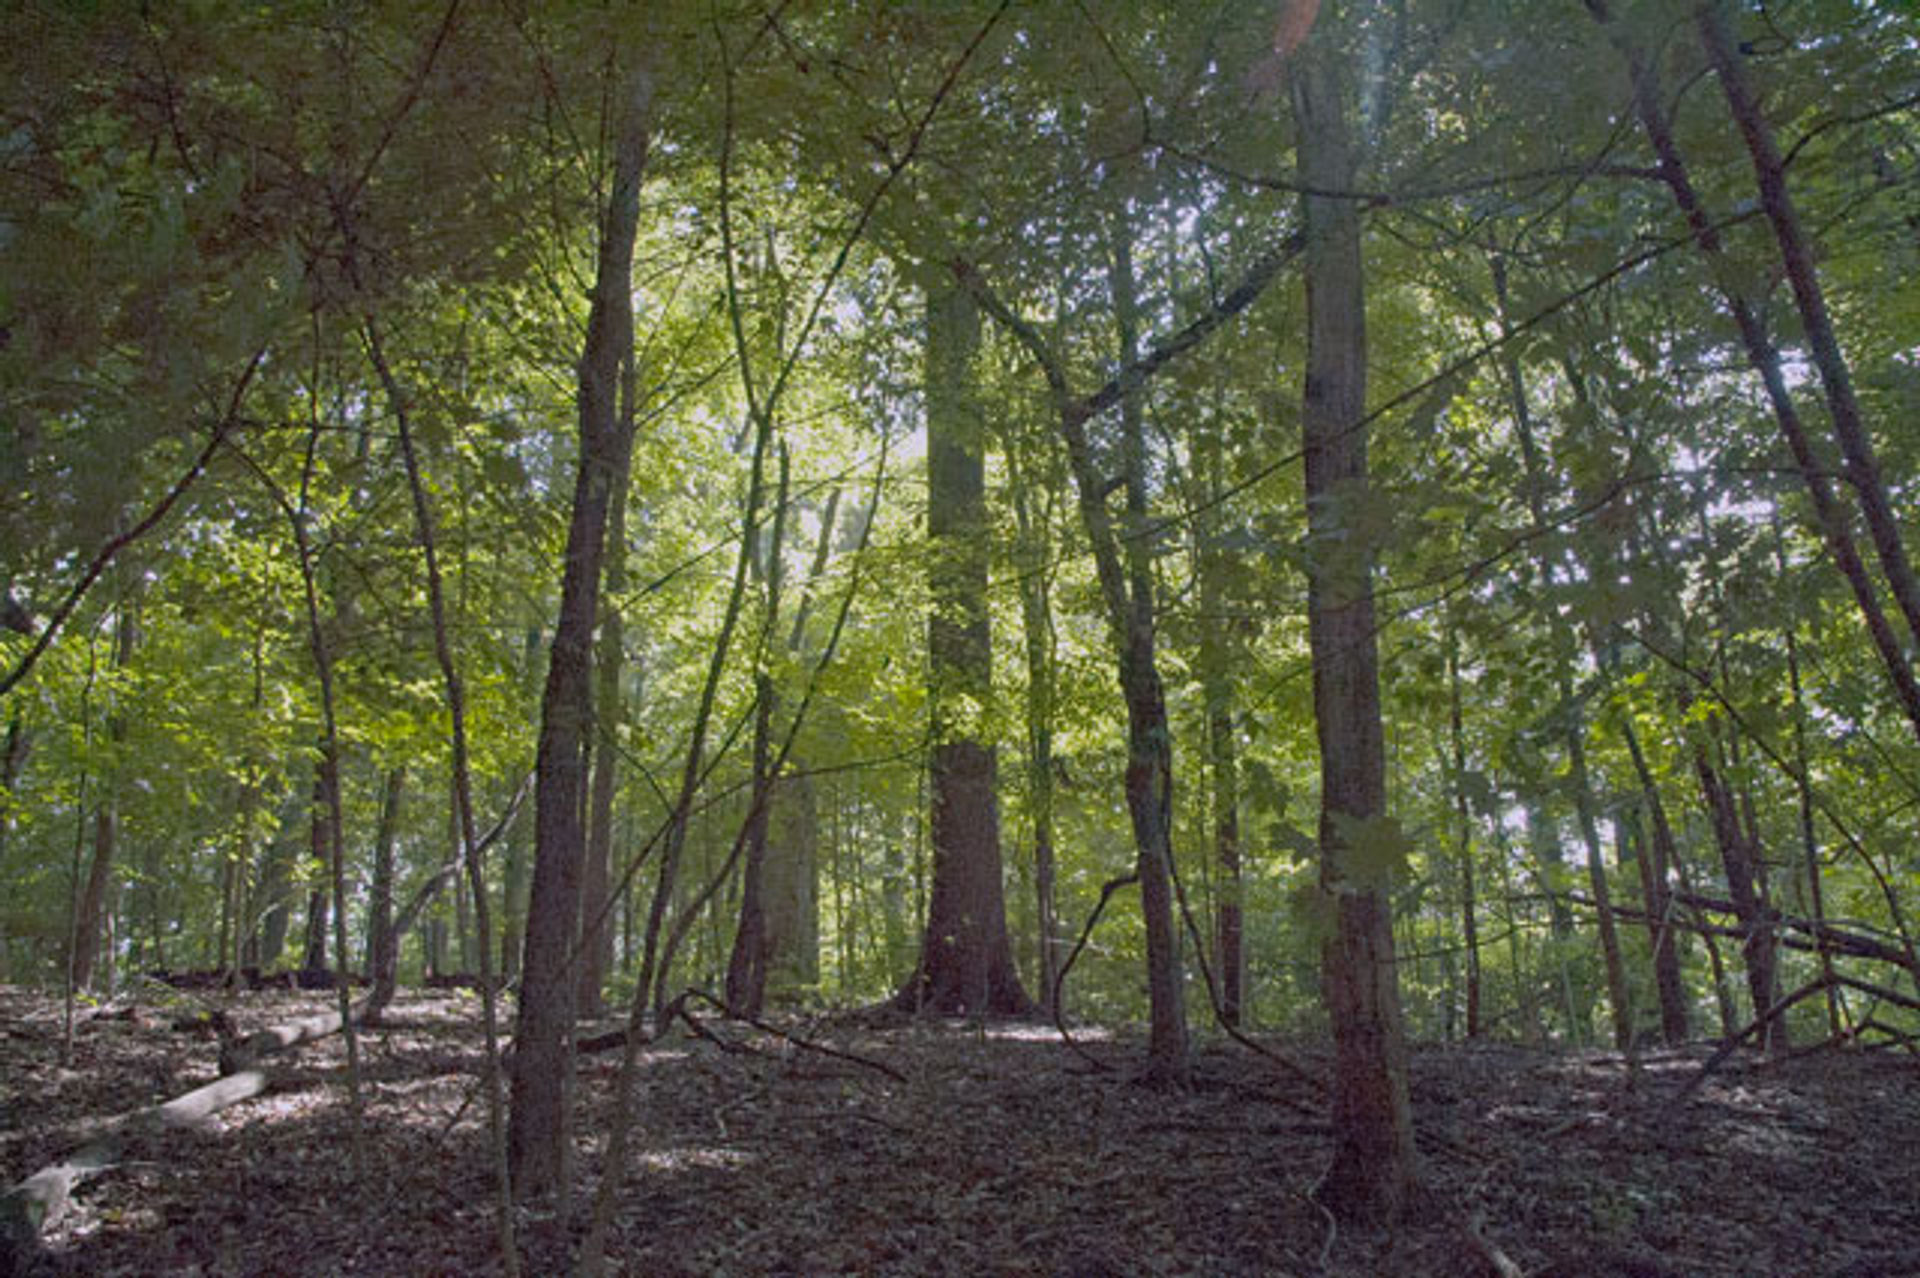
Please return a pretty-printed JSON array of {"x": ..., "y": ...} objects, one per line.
[
  {"x": 539, "y": 1132},
  {"x": 966, "y": 960},
  {"x": 792, "y": 886},
  {"x": 1374, "y": 1169}
]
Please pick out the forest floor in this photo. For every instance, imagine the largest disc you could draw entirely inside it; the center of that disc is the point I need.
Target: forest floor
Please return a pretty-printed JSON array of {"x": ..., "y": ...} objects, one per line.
[{"x": 1003, "y": 1152}]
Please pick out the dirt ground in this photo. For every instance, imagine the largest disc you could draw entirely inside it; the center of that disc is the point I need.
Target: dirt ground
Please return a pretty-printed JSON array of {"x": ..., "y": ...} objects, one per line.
[{"x": 1003, "y": 1152}]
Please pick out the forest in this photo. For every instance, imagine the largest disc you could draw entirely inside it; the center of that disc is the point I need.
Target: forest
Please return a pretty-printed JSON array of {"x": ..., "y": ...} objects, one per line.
[{"x": 960, "y": 636}]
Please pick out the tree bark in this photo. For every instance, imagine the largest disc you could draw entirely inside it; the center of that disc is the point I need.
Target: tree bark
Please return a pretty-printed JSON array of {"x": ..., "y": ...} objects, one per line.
[
  {"x": 106, "y": 816},
  {"x": 1658, "y": 861},
  {"x": 539, "y": 1134},
  {"x": 596, "y": 921},
  {"x": 1031, "y": 554},
  {"x": 1223, "y": 761},
  {"x": 1469, "y": 920},
  {"x": 966, "y": 959},
  {"x": 313, "y": 956},
  {"x": 1149, "y": 778},
  {"x": 747, "y": 962},
  {"x": 1374, "y": 1171}
]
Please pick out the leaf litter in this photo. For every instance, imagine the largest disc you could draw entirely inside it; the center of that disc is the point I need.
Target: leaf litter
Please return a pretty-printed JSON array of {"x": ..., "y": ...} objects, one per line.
[{"x": 1003, "y": 1152}]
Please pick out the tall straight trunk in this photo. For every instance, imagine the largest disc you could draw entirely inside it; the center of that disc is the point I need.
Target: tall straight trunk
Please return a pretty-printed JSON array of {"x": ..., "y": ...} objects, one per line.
[
  {"x": 596, "y": 919},
  {"x": 464, "y": 835},
  {"x": 13, "y": 758},
  {"x": 1831, "y": 514},
  {"x": 1032, "y": 552},
  {"x": 539, "y": 1135},
  {"x": 1739, "y": 858},
  {"x": 90, "y": 921},
  {"x": 314, "y": 953},
  {"x": 1375, "y": 1167},
  {"x": 1469, "y": 921},
  {"x": 966, "y": 959},
  {"x": 777, "y": 933},
  {"x": 1125, "y": 579},
  {"x": 1809, "y": 837},
  {"x": 1797, "y": 254},
  {"x": 383, "y": 944},
  {"x": 1658, "y": 861},
  {"x": 1149, "y": 779},
  {"x": 747, "y": 962},
  {"x": 1223, "y": 761}
]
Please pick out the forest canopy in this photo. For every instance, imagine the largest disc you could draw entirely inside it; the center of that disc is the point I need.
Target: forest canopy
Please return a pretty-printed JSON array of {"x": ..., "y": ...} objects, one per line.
[{"x": 1365, "y": 522}]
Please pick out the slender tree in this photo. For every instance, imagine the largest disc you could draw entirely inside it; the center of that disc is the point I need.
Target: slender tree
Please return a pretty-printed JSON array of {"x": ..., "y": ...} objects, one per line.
[
  {"x": 540, "y": 1127},
  {"x": 1375, "y": 1169}
]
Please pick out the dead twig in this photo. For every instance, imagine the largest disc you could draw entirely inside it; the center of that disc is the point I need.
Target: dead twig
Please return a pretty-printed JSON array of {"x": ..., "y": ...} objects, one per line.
[{"x": 679, "y": 1008}]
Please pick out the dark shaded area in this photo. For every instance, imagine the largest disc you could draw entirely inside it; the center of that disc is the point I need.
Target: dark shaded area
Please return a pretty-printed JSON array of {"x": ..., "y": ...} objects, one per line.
[{"x": 1002, "y": 1154}]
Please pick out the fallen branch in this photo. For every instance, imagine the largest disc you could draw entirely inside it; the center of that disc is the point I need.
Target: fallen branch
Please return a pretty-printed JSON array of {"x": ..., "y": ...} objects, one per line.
[
  {"x": 38, "y": 1202},
  {"x": 720, "y": 1005},
  {"x": 241, "y": 1054},
  {"x": 1791, "y": 931},
  {"x": 1816, "y": 986}
]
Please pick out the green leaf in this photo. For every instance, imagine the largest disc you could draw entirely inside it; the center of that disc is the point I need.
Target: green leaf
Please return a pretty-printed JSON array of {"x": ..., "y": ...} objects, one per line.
[{"x": 1370, "y": 851}]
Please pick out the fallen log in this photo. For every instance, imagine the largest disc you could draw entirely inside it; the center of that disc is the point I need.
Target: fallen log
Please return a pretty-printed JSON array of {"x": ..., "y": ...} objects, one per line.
[
  {"x": 237, "y": 1054},
  {"x": 38, "y": 1202}
]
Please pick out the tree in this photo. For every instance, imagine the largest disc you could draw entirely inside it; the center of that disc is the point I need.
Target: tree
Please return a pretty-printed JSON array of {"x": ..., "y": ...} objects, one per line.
[
  {"x": 1375, "y": 1169},
  {"x": 966, "y": 963},
  {"x": 539, "y": 1133}
]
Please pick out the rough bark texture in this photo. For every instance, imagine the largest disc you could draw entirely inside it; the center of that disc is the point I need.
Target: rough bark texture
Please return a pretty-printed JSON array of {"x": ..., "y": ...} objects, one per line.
[
  {"x": 1031, "y": 554},
  {"x": 1149, "y": 731},
  {"x": 596, "y": 920},
  {"x": 1374, "y": 1169},
  {"x": 966, "y": 960},
  {"x": 540, "y": 1126}
]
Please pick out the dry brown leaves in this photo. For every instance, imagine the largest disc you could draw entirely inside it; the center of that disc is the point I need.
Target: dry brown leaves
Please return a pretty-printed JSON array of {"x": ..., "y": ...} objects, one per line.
[{"x": 1003, "y": 1154}]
